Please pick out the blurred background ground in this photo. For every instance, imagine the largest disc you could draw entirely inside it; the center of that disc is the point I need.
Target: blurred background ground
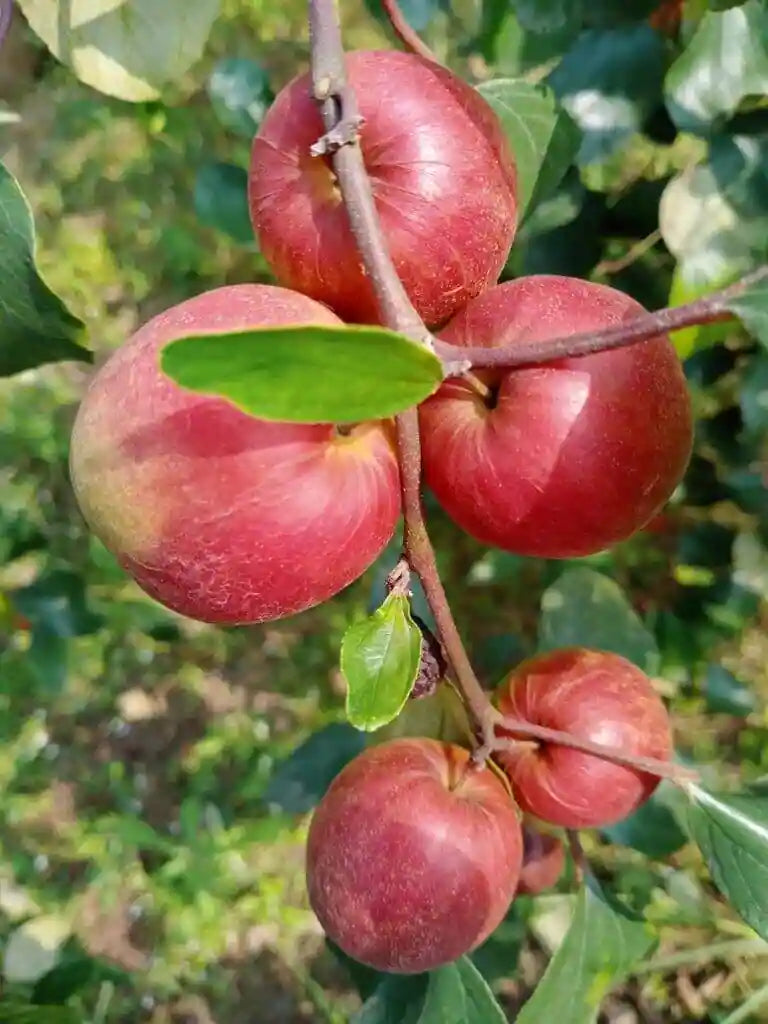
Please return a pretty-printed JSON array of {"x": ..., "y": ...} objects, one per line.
[{"x": 137, "y": 749}]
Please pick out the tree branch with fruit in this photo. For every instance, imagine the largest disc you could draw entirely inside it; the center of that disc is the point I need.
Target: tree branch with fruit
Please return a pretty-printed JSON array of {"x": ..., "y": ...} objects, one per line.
[{"x": 270, "y": 437}]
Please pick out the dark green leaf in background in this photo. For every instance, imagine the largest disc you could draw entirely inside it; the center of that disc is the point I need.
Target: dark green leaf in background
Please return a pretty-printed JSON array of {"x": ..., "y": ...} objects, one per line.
[
  {"x": 35, "y": 326},
  {"x": 725, "y": 694},
  {"x": 752, "y": 308},
  {"x": 541, "y": 135},
  {"x": 312, "y": 374},
  {"x": 609, "y": 81},
  {"x": 22, "y": 1014},
  {"x": 653, "y": 829},
  {"x": 380, "y": 659},
  {"x": 725, "y": 61},
  {"x": 753, "y": 396},
  {"x": 299, "y": 782},
  {"x": 418, "y": 13},
  {"x": 584, "y": 608},
  {"x": 221, "y": 200},
  {"x": 240, "y": 94},
  {"x": 59, "y": 601},
  {"x": 601, "y": 946},
  {"x": 732, "y": 833}
]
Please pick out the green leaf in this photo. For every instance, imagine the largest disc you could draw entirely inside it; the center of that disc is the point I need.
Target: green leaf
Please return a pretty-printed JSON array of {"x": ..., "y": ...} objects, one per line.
[
  {"x": 602, "y": 945},
  {"x": 299, "y": 782},
  {"x": 609, "y": 82},
  {"x": 58, "y": 600},
  {"x": 753, "y": 396},
  {"x": 418, "y": 13},
  {"x": 312, "y": 374},
  {"x": 221, "y": 200},
  {"x": 380, "y": 659},
  {"x": 542, "y": 136},
  {"x": 35, "y": 325},
  {"x": 752, "y": 309},
  {"x": 240, "y": 94},
  {"x": 726, "y": 694},
  {"x": 584, "y": 608},
  {"x": 732, "y": 833},
  {"x": 17, "y": 1013},
  {"x": 124, "y": 48},
  {"x": 454, "y": 994},
  {"x": 725, "y": 61},
  {"x": 64, "y": 980},
  {"x": 653, "y": 829}
]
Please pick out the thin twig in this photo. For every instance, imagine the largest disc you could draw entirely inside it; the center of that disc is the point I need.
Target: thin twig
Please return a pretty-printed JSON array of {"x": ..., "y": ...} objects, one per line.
[
  {"x": 630, "y": 256},
  {"x": 745, "y": 1011},
  {"x": 339, "y": 109},
  {"x": 653, "y": 766},
  {"x": 407, "y": 35},
  {"x": 707, "y": 310}
]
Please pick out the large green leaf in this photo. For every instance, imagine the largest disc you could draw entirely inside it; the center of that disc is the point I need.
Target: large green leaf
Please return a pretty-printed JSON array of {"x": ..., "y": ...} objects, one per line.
[
  {"x": 380, "y": 659},
  {"x": 725, "y": 61},
  {"x": 584, "y": 608},
  {"x": 125, "y": 48},
  {"x": 221, "y": 200},
  {"x": 454, "y": 994},
  {"x": 600, "y": 948},
  {"x": 732, "y": 833},
  {"x": 609, "y": 81},
  {"x": 312, "y": 374},
  {"x": 725, "y": 694},
  {"x": 542, "y": 136},
  {"x": 240, "y": 94},
  {"x": 35, "y": 325}
]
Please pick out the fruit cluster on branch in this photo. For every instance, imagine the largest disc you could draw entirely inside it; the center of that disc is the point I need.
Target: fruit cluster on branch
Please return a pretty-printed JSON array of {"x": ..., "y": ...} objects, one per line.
[{"x": 389, "y": 197}]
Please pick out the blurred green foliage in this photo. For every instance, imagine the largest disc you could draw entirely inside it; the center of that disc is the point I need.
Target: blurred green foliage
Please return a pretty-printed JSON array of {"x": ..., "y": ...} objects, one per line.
[{"x": 157, "y": 773}]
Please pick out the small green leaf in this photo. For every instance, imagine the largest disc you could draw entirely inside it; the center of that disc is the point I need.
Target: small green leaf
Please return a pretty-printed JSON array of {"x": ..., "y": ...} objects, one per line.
[
  {"x": 240, "y": 94},
  {"x": 299, "y": 782},
  {"x": 454, "y": 994},
  {"x": 35, "y": 325},
  {"x": 653, "y": 829},
  {"x": 541, "y": 135},
  {"x": 124, "y": 48},
  {"x": 311, "y": 374},
  {"x": 380, "y": 661},
  {"x": 732, "y": 833},
  {"x": 600, "y": 948},
  {"x": 725, "y": 61},
  {"x": 586, "y": 609},
  {"x": 726, "y": 694},
  {"x": 221, "y": 200},
  {"x": 752, "y": 308}
]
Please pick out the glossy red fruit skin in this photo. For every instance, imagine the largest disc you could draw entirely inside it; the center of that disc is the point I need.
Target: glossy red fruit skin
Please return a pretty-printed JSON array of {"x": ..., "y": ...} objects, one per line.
[
  {"x": 404, "y": 872},
  {"x": 543, "y": 861},
  {"x": 576, "y": 455},
  {"x": 596, "y": 696},
  {"x": 220, "y": 516},
  {"x": 443, "y": 180}
]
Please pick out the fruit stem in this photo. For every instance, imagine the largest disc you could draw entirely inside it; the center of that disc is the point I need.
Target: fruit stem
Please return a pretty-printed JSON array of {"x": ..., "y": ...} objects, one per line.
[
  {"x": 340, "y": 117},
  {"x": 707, "y": 310},
  {"x": 410, "y": 39},
  {"x": 676, "y": 773},
  {"x": 478, "y": 386}
]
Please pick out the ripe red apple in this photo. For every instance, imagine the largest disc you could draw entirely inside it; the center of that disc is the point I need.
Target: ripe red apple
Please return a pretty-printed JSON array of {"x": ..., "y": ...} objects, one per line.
[
  {"x": 568, "y": 457},
  {"x": 443, "y": 179},
  {"x": 220, "y": 516},
  {"x": 413, "y": 857},
  {"x": 595, "y": 696},
  {"x": 543, "y": 861}
]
